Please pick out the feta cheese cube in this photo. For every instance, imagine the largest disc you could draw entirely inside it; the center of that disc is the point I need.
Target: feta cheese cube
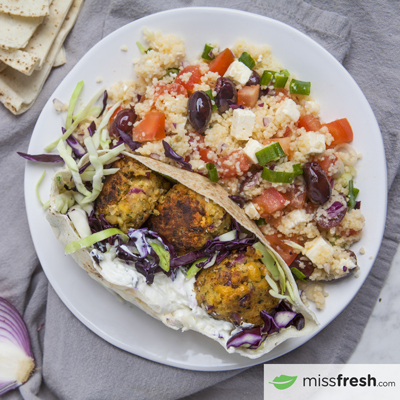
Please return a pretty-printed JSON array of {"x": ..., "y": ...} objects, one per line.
[
  {"x": 251, "y": 148},
  {"x": 238, "y": 72},
  {"x": 295, "y": 218},
  {"x": 288, "y": 109},
  {"x": 242, "y": 124},
  {"x": 319, "y": 251},
  {"x": 251, "y": 211},
  {"x": 312, "y": 107},
  {"x": 312, "y": 143}
]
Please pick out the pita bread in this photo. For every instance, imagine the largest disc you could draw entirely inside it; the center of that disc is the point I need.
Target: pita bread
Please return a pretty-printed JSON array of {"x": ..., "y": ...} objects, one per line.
[
  {"x": 17, "y": 91},
  {"x": 2, "y": 66},
  {"x": 66, "y": 233},
  {"x": 25, "y": 8},
  {"x": 35, "y": 53},
  {"x": 61, "y": 58}
]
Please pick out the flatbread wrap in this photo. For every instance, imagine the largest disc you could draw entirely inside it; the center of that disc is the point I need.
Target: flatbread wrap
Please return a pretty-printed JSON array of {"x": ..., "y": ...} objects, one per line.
[{"x": 175, "y": 245}]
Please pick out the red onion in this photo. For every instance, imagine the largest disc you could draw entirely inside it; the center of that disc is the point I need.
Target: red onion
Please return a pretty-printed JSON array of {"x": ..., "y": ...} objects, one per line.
[
  {"x": 155, "y": 156},
  {"x": 16, "y": 360},
  {"x": 261, "y": 105},
  {"x": 335, "y": 214},
  {"x": 266, "y": 121}
]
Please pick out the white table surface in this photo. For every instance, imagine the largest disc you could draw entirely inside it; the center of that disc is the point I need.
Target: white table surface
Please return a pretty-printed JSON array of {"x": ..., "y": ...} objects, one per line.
[{"x": 379, "y": 343}]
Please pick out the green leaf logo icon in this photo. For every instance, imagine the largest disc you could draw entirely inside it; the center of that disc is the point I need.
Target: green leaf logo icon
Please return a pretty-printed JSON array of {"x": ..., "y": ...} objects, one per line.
[{"x": 283, "y": 382}]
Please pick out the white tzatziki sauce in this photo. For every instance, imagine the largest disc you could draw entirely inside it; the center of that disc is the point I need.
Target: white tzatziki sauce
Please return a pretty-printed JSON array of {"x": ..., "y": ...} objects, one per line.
[{"x": 173, "y": 300}]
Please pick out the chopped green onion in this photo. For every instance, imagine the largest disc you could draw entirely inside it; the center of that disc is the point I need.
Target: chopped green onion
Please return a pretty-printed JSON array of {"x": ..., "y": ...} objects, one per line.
[
  {"x": 261, "y": 222},
  {"x": 267, "y": 77},
  {"x": 272, "y": 283},
  {"x": 270, "y": 153},
  {"x": 212, "y": 172},
  {"x": 247, "y": 60},
  {"x": 206, "y": 52},
  {"x": 353, "y": 192},
  {"x": 297, "y": 170},
  {"x": 277, "y": 176},
  {"x": 210, "y": 95},
  {"x": 173, "y": 71},
  {"x": 149, "y": 49},
  {"x": 281, "y": 78},
  {"x": 141, "y": 48},
  {"x": 268, "y": 260},
  {"x": 299, "y": 87},
  {"x": 194, "y": 269},
  {"x": 298, "y": 274},
  {"x": 92, "y": 239},
  {"x": 163, "y": 255},
  {"x": 72, "y": 102},
  {"x": 37, "y": 188}
]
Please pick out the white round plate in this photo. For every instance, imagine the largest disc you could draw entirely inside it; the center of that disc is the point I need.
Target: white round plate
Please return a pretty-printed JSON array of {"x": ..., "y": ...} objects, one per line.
[{"x": 127, "y": 327}]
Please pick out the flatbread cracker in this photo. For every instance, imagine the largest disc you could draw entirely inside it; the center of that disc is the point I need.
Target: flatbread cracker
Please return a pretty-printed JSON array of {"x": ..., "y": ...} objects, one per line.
[
  {"x": 35, "y": 53},
  {"x": 61, "y": 58},
  {"x": 16, "y": 31},
  {"x": 25, "y": 8},
  {"x": 17, "y": 91}
]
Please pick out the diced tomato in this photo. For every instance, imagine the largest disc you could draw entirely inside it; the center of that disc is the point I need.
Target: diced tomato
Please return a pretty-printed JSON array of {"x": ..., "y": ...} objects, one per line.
[
  {"x": 173, "y": 89},
  {"x": 222, "y": 62},
  {"x": 248, "y": 96},
  {"x": 194, "y": 78},
  {"x": 297, "y": 197},
  {"x": 285, "y": 251},
  {"x": 284, "y": 142},
  {"x": 152, "y": 127},
  {"x": 234, "y": 164},
  {"x": 341, "y": 131},
  {"x": 325, "y": 162},
  {"x": 309, "y": 123},
  {"x": 206, "y": 155},
  {"x": 270, "y": 201}
]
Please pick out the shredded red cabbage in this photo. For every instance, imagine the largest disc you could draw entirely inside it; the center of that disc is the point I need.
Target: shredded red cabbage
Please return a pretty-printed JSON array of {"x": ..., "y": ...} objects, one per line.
[
  {"x": 50, "y": 158},
  {"x": 235, "y": 106},
  {"x": 105, "y": 97},
  {"x": 92, "y": 128},
  {"x": 128, "y": 140},
  {"x": 177, "y": 158},
  {"x": 239, "y": 200},
  {"x": 280, "y": 317},
  {"x": 78, "y": 150}
]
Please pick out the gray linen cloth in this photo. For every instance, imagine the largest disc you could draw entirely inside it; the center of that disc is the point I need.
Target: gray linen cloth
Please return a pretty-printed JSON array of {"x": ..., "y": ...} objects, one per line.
[{"x": 74, "y": 363}]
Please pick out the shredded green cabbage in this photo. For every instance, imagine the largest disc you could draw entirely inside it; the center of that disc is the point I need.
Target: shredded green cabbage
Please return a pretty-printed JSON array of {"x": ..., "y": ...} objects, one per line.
[
  {"x": 72, "y": 102},
  {"x": 37, "y": 188},
  {"x": 92, "y": 239},
  {"x": 163, "y": 255},
  {"x": 267, "y": 260},
  {"x": 105, "y": 158},
  {"x": 98, "y": 166},
  {"x": 71, "y": 164},
  {"x": 79, "y": 118},
  {"x": 63, "y": 202},
  {"x": 98, "y": 137},
  {"x": 194, "y": 269},
  {"x": 88, "y": 175}
]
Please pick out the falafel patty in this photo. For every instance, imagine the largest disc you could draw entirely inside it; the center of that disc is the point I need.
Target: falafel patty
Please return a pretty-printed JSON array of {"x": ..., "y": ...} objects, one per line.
[
  {"x": 130, "y": 195},
  {"x": 236, "y": 289},
  {"x": 187, "y": 219}
]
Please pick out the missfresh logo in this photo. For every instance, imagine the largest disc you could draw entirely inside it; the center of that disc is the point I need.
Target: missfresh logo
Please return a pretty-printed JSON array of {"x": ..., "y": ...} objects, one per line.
[
  {"x": 331, "y": 381},
  {"x": 283, "y": 382}
]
